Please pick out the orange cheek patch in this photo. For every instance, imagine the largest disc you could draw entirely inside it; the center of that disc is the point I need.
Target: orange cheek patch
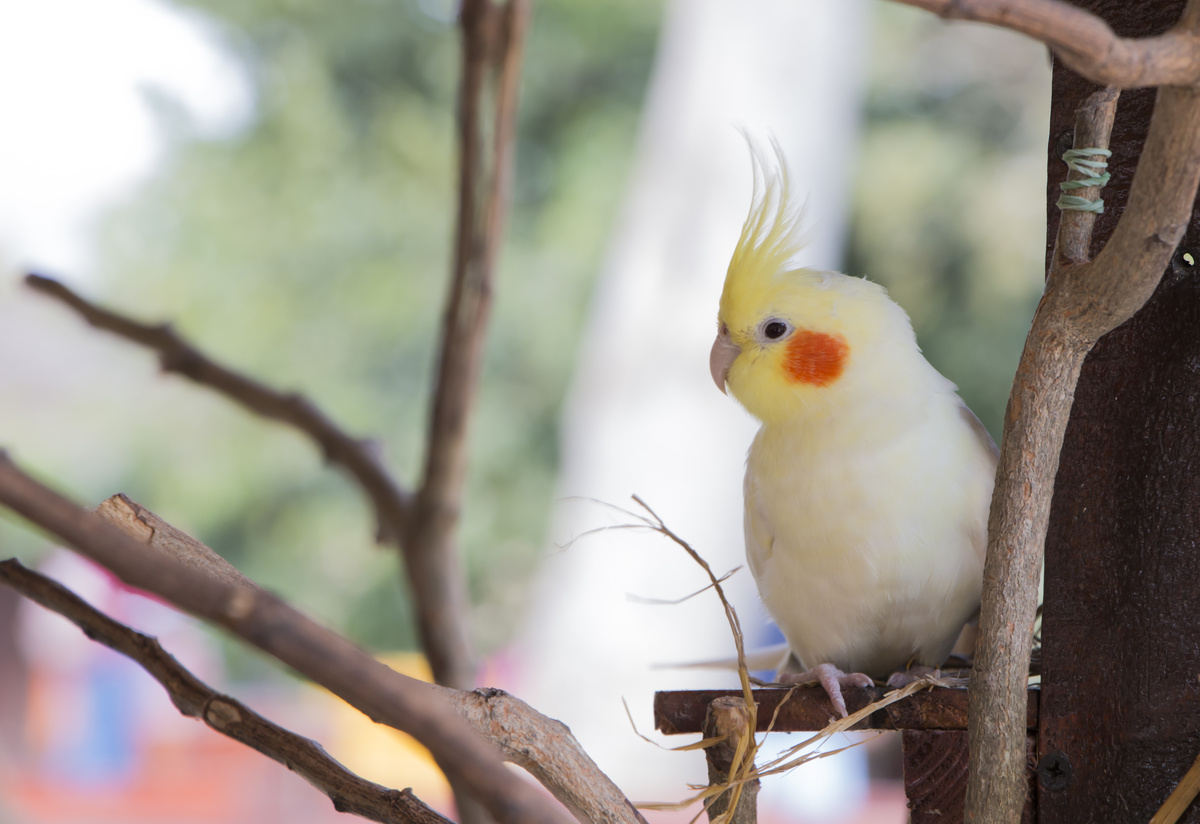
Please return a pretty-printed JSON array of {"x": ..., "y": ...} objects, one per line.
[{"x": 815, "y": 358}]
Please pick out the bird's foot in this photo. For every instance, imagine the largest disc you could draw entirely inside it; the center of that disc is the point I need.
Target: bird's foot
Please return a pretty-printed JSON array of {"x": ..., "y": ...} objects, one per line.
[
  {"x": 914, "y": 673},
  {"x": 832, "y": 680}
]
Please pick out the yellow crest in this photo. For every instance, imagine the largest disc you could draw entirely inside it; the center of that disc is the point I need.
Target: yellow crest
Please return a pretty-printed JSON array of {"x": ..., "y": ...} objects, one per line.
[{"x": 771, "y": 235}]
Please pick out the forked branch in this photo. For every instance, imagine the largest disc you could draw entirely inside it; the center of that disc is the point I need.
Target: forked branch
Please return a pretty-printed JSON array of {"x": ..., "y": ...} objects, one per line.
[
  {"x": 1083, "y": 301},
  {"x": 278, "y": 629},
  {"x": 493, "y": 38},
  {"x": 177, "y": 567}
]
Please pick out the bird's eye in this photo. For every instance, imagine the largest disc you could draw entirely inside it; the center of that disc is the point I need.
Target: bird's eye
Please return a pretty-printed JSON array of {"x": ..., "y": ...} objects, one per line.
[{"x": 775, "y": 329}]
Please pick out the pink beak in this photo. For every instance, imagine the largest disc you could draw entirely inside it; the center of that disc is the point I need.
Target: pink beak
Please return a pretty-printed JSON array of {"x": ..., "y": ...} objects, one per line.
[{"x": 724, "y": 352}]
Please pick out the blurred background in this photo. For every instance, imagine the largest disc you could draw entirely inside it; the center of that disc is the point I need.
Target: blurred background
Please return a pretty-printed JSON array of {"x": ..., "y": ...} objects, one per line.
[{"x": 276, "y": 177}]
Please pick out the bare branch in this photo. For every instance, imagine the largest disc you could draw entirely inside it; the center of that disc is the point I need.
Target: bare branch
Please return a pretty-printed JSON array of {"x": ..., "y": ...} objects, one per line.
[
  {"x": 1128, "y": 269},
  {"x": 541, "y": 745},
  {"x": 349, "y": 792},
  {"x": 547, "y": 749},
  {"x": 493, "y": 38},
  {"x": 143, "y": 525},
  {"x": 1034, "y": 424},
  {"x": 1083, "y": 301},
  {"x": 1084, "y": 42},
  {"x": 524, "y": 736},
  {"x": 273, "y": 626},
  {"x": 390, "y": 501}
]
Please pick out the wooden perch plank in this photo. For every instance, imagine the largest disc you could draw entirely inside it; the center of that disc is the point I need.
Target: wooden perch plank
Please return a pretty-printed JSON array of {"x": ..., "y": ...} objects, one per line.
[
  {"x": 682, "y": 711},
  {"x": 935, "y": 776}
]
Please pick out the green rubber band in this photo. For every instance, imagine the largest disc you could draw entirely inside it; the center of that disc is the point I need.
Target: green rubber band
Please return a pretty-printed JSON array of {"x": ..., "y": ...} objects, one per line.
[
  {"x": 1077, "y": 160},
  {"x": 1080, "y": 204}
]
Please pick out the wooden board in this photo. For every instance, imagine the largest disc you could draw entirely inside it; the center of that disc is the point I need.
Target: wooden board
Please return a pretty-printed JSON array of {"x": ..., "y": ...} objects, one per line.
[
  {"x": 808, "y": 709},
  {"x": 935, "y": 776}
]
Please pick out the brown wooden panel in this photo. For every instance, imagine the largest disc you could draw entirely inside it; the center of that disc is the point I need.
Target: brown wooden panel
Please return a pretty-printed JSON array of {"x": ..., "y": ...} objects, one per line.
[
  {"x": 1121, "y": 654},
  {"x": 935, "y": 776},
  {"x": 682, "y": 711}
]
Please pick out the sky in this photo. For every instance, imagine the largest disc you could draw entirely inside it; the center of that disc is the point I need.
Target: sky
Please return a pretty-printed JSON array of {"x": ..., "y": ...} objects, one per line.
[{"x": 77, "y": 129}]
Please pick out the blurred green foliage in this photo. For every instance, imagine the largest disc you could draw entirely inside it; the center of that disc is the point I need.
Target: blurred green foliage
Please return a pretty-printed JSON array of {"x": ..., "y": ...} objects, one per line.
[
  {"x": 313, "y": 250},
  {"x": 948, "y": 207}
]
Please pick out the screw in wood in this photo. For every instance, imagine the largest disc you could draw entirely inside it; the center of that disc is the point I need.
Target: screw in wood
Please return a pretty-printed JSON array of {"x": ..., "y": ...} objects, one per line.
[{"x": 1054, "y": 771}]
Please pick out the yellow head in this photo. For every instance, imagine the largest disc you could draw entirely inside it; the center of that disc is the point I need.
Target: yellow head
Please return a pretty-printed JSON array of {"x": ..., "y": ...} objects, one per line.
[{"x": 795, "y": 343}]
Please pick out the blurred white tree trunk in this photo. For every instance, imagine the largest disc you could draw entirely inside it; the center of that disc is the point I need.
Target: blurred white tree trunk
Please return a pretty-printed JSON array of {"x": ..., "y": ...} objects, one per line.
[{"x": 643, "y": 415}]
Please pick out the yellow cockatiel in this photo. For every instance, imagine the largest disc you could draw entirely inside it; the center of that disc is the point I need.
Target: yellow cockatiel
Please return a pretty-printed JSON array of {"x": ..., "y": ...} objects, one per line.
[{"x": 867, "y": 487}]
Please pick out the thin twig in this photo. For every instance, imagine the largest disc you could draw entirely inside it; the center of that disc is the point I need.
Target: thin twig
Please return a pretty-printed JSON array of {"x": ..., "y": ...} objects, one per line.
[
  {"x": 493, "y": 38},
  {"x": 349, "y": 792},
  {"x": 1085, "y": 42},
  {"x": 391, "y": 502},
  {"x": 273, "y": 626},
  {"x": 741, "y": 767},
  {"x": 742, "y": 771},
  {"x": 674, "y": 602}
]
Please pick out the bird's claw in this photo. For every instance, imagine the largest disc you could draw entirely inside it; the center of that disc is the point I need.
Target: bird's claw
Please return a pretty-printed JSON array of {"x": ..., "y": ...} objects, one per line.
[
  {"x": 915, "y": 673},
  {"x": 832, "y": 680}
]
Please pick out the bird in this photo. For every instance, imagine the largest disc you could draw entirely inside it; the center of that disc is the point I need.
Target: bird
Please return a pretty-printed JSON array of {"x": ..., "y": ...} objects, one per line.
[{"x": 868, "y": 483}]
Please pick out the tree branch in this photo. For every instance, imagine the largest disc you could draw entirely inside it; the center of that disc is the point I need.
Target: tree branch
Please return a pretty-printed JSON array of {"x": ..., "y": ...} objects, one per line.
[
  {"x": 547, "y": 749},
  {"x": 349, "y": 792},
  {"x": 1085, "y": 43},
  {"x": 1083, "y": 301},
  {"x": 390, "y": 501},
  {"x": 273, "y": 626},
  {"x": 525, "y": 737},
  {"x": 541, "y": 745},
  {"x": 493, "y": 39}
]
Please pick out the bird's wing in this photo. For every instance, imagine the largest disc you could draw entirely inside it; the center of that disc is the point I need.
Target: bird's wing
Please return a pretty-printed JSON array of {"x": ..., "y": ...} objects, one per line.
[
  {"x": 985, "y": 437},
  {"x": 760, "y": 537}
]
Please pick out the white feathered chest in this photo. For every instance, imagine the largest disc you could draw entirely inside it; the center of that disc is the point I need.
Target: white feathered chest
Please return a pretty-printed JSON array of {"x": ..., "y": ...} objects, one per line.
[{"x": 867, "y": 539}]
